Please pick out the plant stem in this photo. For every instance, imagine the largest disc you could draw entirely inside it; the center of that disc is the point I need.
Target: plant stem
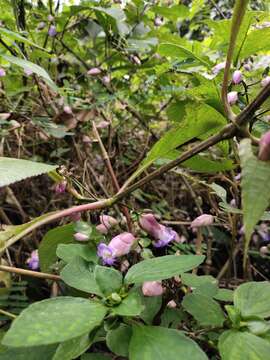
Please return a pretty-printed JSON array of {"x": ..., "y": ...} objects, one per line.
[{"x": 25, "y": 272}]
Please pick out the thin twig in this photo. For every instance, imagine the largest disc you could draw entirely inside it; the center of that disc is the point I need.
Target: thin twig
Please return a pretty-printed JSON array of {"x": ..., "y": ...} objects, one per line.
[{"x": 25, "y": 272}]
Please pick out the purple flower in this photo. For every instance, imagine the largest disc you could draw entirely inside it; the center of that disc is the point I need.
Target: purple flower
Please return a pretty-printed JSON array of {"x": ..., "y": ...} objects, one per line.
[
  {"x": 81, "y": 236},
  {"x": 52, "y": 31},
  {"x": 247, "y": 67},
  {"x": 162, "y": 234},
  {"x": 264, "y": 147},
  {"x": 232, "y": 97},
  {"x": 202, "y": 220},
  {"x": 106, "y": 253},
  {"x": 33, "y": 260},
  {"x": 158, "y": 21},
  {"x": 237, "y": 77},
  {"x": 41, "y": 25},
  {"x": 217, "y": 68},
  {"x": 50, "y": 18},
  {"x": 60, "y": 187},
  {"x": 28, "y": 72},
  {"x": 265, "y": 81},
  {"x": 2, "y": 72},
  {"x": 94, "y": 71}
]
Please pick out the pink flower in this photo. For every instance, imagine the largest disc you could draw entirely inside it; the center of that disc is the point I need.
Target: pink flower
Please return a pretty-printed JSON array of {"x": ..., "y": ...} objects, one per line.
[
  {"x": 264, "y": 147},
  {"x": 237, "y": 77},
  {"x": 52, "y": 31},
  {"x": 152, "y": 288},
  {"x": 102, "y": 229},
  {"x": 158, "y": 21},
  {"x": 67, "y": 109},
  {"x": 94, "y": 71},
  {"x": 106, "y": 79},
  {"x": 41, "y": 25},
  {"x": 108, "y": 221},
  {"x": 2, "y": 72},
  {"x": 265, "y": 81},
  {"x": 217, "y": 68},
  {"x": 75, "y": 216},
  {"x": 202, "y": 220},
  {"x": 60, "y": 187},
  {"x": 247, "y": 67},
  {"x": 162, "y": 234},
  {"x": 81, "y": 236},
  {"x": 33, "y": 260},
  {"x": 50, "y": 18},
  {"x": 119, "y": 245},
  {"x": 232, "y": 97}
]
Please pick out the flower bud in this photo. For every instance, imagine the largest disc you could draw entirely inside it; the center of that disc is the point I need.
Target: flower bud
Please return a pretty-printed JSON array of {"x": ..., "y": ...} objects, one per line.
[
  {"x": 81, "y": 236},
  {"x": 50, "y": 18},
  {"x": 264, "y": 147},
  {"x": 2, "y": 72},
  {"x": 247, "y": 67},
  {"x": 60, "y": 187},
  {"x": 33, "y": 260},
  {"x": 232, "y": 97},
  {"x": 158, "y": 21},
  {"x": 52, "y": 31},
  {"x": 67, "y": 109},
  {"x": 28, "y": 72},
  {"x": 202, "y": 220},
  {"x": 94, "y": 71},
  {"x": 264, "y": 250},
  {"x": 217, "y": 68},
  {"x": 237, "y": 77},
  {"x": 149, "y": 224},
  {"x": 102, "y": 229},
  {"x": 75, "y": 216},
  {"x": 152, "y": 288},
  {"x": 122, "y": 243},
  {"x": 41, "y": 25},
  {"x": 171, "y": 304},
  {"x": 106, "y": 79},
  {"x": 265, "y": 81}
]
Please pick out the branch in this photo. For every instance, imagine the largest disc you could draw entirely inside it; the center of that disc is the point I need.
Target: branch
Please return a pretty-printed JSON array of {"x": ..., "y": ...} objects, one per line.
[{"x": 25, "y": 272}]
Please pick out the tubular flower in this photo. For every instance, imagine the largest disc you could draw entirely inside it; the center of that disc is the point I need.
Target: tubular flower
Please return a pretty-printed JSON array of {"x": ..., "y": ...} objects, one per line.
[
  {"x": 232, "y": 97},
  {"x": 102, "y": 229},
  {"x": 237, "y": 77},
  {"x": 152, "y": 288},
  {"x": 81, "y": 236},
  {"x": 162, "y": 234},
  {"x": 217, "y": 68},
  {"x": 119, "y": 245},
  {"x": 94, "y": 71},
  {"x": 2, "y": 72},
  {"x": 52, "y": 31},
  {"x": 264, "y": 147},
  {"x": 202, "y": 220},
  {"x": 33, "y": 260}
]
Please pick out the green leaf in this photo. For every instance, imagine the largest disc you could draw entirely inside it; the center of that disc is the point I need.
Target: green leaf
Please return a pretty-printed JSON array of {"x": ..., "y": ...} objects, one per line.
[
  {"x": 13, "y": 170},
  {"x": 252, "y": 299},
  {"x": 25, "y": 64},
  {"x": 16, "y": 36},
  {"x": 108, "y": 279},
  {"x": 256, "y": 41},
  {"x": 73, "y": 348},
  {"x": 157, "y": 343},
  {"x": 172, "y": 318},
  {"x": 54, "y": 320},
  {"x": 174, "y": 12},
  {"x": 79, "y": 274},
  {"x": 178, "y": 51},
  {"x": 200, "y": 120},
  {"x": 29, "y": 353},
  {"x": 204, "y": 284},
  {"x": 118, "y": 340},
  {"x": 258, "y": 327},
  {"x": 95, "y": 356},
  {"x": 163, "y": 267},
  {"x": 67, "y": 252},
  {"x": 152, "y": 304},
  {"x": 235, "y": 345},
  {"x": 204, "y": 309},
  {"x": 224, "y": 295},
  {"x": 255, "y": 189},
  {"x": 50, "y": 242},
  {"x": 132, "y": 305}
]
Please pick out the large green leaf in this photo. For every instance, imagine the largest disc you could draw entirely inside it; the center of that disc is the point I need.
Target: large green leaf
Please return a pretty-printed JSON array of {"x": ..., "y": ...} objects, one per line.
[
  {"x": 29, "y": 353},
  {"x": 54, "y": 320},
  {"x": 28, "y": 65},
  {"x": 73, "y": 348},
  {"x": 11, "y": 35},
  {"x": 152, "y": 304},
  {"x": 253, "y": 299},
  {"x": 132, "y": 305},
  {"x": 257, "y": 40},
  {"x": 163, "y": 267},
  {"x": 255, "y": 188},
  {"x": 204, "y": 309},
  {"x": 67, "y": 252},
  {"x": 157, "y": 343},
  {"x": 49, "y": 243},
  {"x": 118, "y": 340},
  {"x": 79, "y": 274},
  {"x": 109, "y": 280},
  {"x": 235, "y": 345},
  {"x": 200, "y": 120},
  {"x": 173, "y": 12},
  {"x": 13, "y": 170}
]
